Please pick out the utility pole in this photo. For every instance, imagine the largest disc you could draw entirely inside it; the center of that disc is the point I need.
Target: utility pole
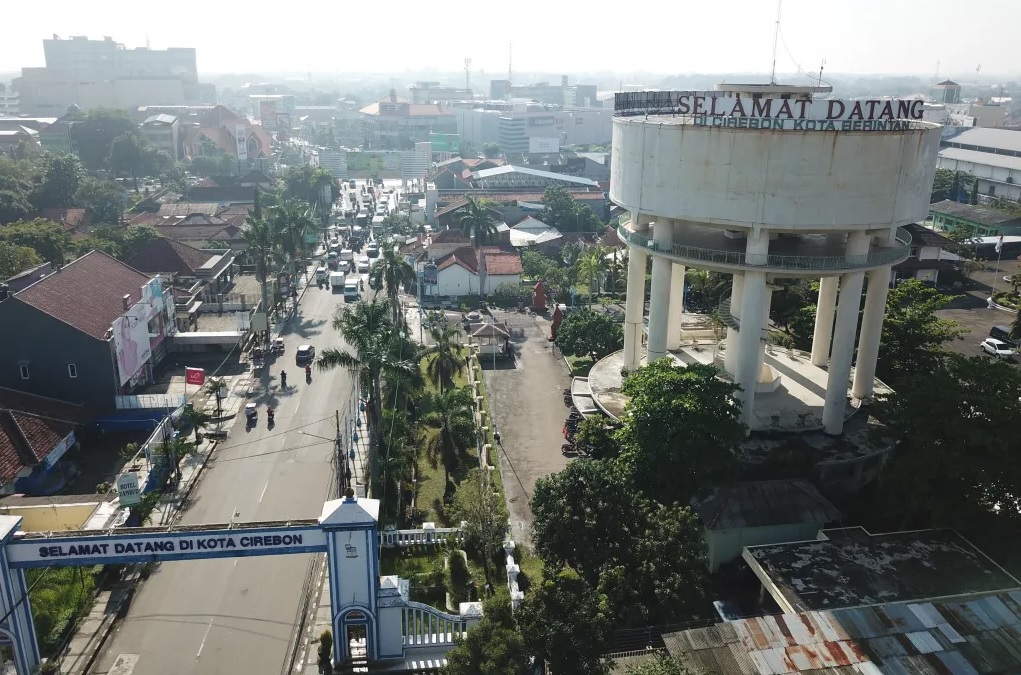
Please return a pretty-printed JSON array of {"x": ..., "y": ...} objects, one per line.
[{"x": 338, "y": 453}]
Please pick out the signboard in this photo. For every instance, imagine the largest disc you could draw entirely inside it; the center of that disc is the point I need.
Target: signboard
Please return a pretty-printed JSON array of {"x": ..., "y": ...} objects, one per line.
[
  {"x": 713, "y": 108},
  {"x": 268, "y": 115},
  {"x": 241, "y": 138},
  {"x": 429, "y": 274},
  {"x": 157, "y": 546},
  {"x": 374, "y": 164},
  {"x": 128, "y": 492},
  {"x": 546, "y": 121},
  {"x": 131, "y": 343},
  {"x": 194, "y": 376},
  {"x": 283, "y": 126},
  {"x": 539, "y": 145},
  {"x": 445, "y": 142}
]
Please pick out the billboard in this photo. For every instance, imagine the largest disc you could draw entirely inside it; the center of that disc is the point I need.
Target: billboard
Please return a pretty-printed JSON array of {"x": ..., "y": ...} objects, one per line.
[
  {"x": 131, "y": 344},
  {"x": 283, "y": 126},
  {"x": 445, "y": 142},
  {"x": 374, "y": 164},
  {"x": 268, "y": 115},
  {"x": 538, "y": 145},
  {"x": 544, "y": 121},
  {"x": 241, "y": 138}
]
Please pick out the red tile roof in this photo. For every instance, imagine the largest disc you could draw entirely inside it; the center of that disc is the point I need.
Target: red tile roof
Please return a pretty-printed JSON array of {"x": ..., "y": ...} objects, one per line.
[
  {"x": 86, "y": 293},
  {"x": 464, "y": 256},
  {"x": 169, "y": 256},
  {"x": 501, "y": 261},
  {"x": 30, "y": 428},
  {"x": 449, "y": 237},
  {"x": 610, "y": 239},
  {"x": 146, "y": 219},
  {"x": 71, "y": 219}
]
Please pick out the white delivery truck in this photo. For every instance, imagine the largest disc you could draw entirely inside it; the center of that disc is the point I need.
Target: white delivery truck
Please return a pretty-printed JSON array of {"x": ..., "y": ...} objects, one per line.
[
  {"x": 351, "y": 290},
  {"x": 347, "y": 255},
  {"x": 337, "y": 280}
]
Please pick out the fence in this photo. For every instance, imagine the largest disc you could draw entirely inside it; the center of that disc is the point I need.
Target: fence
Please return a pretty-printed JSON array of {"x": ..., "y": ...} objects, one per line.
[
  {"x": 516, "y": 595},
  {"x": 425, "y": 626},
  {"x": 425, "y": 536}
]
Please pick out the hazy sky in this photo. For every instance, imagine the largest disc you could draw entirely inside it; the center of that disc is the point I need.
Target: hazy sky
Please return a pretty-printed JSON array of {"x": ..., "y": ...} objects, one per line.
[{"x": 660, "y": 36}]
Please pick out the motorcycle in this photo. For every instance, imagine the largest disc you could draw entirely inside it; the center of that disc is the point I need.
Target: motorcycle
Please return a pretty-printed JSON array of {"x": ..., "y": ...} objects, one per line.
[
  {"x": 283, "y": 379},
  {"x": 308, "y": 373},
  {"x": 269, "y": 416}
]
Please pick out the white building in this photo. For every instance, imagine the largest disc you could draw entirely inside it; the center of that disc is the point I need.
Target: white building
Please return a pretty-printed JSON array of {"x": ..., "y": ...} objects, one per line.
[
  {"x": 764, "y": 182},
  {"x": 457, "y": 272},
  {"x": 993, "y": 156}
]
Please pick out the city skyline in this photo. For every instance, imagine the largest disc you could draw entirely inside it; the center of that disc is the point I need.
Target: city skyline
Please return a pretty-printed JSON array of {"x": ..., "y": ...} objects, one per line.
[{"x": 909, "y": 37}]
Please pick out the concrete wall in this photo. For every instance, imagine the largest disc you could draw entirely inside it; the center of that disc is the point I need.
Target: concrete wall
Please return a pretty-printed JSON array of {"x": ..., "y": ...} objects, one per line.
[
  {"x": 455, "y": 280},
  {"x": 47, "y": 346},
  {"x": 494, "y": 280},
  {"x": 52, "y": 517},
  {"x": 724, "y": 546},
  {"x": 988, "y": 175},
  {"x": 781, "y": 179}
]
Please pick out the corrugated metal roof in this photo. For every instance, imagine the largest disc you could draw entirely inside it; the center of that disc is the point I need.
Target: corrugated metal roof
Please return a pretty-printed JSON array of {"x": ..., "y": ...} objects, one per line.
[
  {"x": 969, "y": 636},
  {"x": 766, "y": 503}
]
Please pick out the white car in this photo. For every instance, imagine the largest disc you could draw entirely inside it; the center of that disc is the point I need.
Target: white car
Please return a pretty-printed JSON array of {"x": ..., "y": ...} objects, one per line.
[{"x": 997, "y": 348}]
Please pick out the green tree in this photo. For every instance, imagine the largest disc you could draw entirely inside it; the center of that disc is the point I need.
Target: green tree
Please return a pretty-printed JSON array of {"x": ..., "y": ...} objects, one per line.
[
  {"x": 599, "y": 436},
  {"x": 493, "y": 647},
  {"x": 292, "y": 219},
  {"x": 374, "y": 355},
  {"x": 93, "y": 135},
  {"x": 681, "y": 429},
  {"x": 48, "y": 239},
  {"x": 590, "y": 266},
  {"x": 396, "y": 459},
  {"x": 104, "y": 200},
  {"x": 61, "y": 177},
  {"x": 1015, "y": 327},
  {"x": 646, "y": 558},
  {"x": 954, "y": 462},
  {"x": 477, "y": 223},
  {"x": 913, "y": 335},
  {"x": 973, "y": 196},
  {"x": 788, "y": 302},
  {"x": 204, "y": 166},
  {"x": 947, "y": 184},
  {"x": 443, "y": 357},
  {"x": 705, "y": 289},
  {"x": 564, "y": 622},
  {"x": 17, "y": 179},
  {"x": 15, "y": 259},
  {"x": 262, "y": 240},
  {"x": 451, "y": 414},
  {"x": 562, "y": 212},
  {"x": 585, "y": 333},
  {"x": 127, "y": 156},
  {"x": 481, "y": 507},
  {"x": 391, "y": 273},
  {"x": 490, "y": 150},
  {"x": 662, "y": 664}
]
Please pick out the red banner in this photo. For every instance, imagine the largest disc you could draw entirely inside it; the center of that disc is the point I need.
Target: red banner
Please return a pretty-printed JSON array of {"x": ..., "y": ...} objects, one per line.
[{"x": 195, "y": 376}]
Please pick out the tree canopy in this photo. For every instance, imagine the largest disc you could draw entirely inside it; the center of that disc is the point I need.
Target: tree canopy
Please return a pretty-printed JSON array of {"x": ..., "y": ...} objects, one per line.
[
  {"x": 562, "y": 212},
  {"x": 93, "y": 134},
  {"x": 494, "y": 647},
  {"x": 913, "y": 335},
  {"x": 49, "y": 240},
  {"x": 585, "y": 332},
  {"x": 681, "y": 429}
]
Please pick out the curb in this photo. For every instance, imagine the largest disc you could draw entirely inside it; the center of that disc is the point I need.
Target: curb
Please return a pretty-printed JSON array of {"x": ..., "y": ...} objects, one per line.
[{"x": 109, "y": 620}]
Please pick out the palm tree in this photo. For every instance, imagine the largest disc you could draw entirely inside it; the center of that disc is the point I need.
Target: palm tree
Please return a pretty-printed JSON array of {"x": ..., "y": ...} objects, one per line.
[
  {"x": 214, "y": 386},
  {"x": 450, "y": 413},
  {"x": 390, "y": 273},
  {"x": 444, "y": 356},
  {"x": 262, "y": 240},
  {"x": 371, "y": 334},
  {"x": 590, "y": 265},
  {"x": 477, "y": 223},
  {"x": 292, "y": 219},
  {"x": 1015, "y": 281}
]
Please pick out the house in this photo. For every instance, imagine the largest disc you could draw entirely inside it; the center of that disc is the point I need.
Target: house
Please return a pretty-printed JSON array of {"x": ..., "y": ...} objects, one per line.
[
  {"x": 503, "y": 266},
  {"x": 26, "y": 278},
  {"x": 90, "y": 331},
  {"x": 72, "y": 220},
  {"x": 197, "y": 276},
  {"x": 19, "y": 142},
  {"x": 973, "y": 221},
  {"x": 164, "y": 132},
  {"x": 761, "y": 512},
  {"x": 510, "y": 206},
  {"x": 533, "y": 233},
  {"x": 220, "y": 131},
  {"x": 457, "y": 274},
  {"x": 928, "y": 256},
  {"x": 35, "y": 433},
  {"x": 203, "y": 231}
]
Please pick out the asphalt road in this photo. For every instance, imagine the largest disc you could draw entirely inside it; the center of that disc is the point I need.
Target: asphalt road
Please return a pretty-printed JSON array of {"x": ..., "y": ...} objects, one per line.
[{"x": 237, "y": 616}]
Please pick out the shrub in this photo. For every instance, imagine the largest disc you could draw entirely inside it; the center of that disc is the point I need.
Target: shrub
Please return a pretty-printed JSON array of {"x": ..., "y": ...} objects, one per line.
[
  {"x": 458, "y": 577},
  {"x": 509, "y": 295}
]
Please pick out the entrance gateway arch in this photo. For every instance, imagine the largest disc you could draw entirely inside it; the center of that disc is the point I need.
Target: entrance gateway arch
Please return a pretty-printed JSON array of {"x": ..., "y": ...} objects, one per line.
[{"x": 346, "y": 531}]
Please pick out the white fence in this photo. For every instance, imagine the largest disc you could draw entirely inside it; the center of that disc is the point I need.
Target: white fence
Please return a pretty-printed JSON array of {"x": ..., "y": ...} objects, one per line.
[
  {"x": 426, "y": 626},
  {"x": 428, "y": 535},
  {"x": 516, "y": 594}
]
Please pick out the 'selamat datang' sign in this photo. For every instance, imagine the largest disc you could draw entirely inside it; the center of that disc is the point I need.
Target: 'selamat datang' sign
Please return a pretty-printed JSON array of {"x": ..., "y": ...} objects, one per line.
[
  {"x": 164, "y": 546},
  {"x": 708, "y": 108}
]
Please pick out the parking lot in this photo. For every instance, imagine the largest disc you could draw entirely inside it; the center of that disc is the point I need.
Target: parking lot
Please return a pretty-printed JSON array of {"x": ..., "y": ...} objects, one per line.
[{"x": 971, "y": 311}]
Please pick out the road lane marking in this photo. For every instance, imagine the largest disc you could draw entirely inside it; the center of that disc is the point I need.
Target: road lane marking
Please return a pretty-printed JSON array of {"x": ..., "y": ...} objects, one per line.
[
  {"x": 296, "y": 406},
  {"x": 201, "y": 646},
  {"x": 262, "y": 495}
]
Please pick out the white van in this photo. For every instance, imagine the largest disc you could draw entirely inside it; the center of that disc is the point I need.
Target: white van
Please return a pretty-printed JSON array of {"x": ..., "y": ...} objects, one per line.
[
  {"x": 351, "y": 293},
  {"x": 363, "y": 265}
]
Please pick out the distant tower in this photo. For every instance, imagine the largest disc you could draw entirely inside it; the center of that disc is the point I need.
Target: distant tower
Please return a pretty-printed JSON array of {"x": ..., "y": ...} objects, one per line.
[
  {"x": 510, "y": 63},
  {"x": 468, "y": 77}
]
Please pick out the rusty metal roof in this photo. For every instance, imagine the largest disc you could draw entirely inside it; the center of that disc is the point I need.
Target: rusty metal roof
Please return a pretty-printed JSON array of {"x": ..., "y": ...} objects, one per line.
[
  {"x": 967, "y": 635},
  {"x": 766, "y": 503}
]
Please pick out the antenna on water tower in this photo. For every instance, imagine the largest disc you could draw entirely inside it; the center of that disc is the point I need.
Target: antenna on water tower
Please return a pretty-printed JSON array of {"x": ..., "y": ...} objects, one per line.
[
  {"x": 821, "y": 66},
  {"x": 776, "y": 37}
]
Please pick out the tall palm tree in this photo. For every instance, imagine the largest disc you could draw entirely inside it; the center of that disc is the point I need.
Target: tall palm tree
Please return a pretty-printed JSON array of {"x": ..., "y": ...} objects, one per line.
[
  {"x": 371, "y": 334},
  {"x": 590, "y": 266},
  {"x": 292, "y": 219},
  {"x": 450, "y": 413},
  {"x": 444, "y": 356},
  {"x": 477, "y": 223},
  {"x": 262, "y": 240},
  {"x": 390, "y": 273},
  {"x": 320, "y": 200}
]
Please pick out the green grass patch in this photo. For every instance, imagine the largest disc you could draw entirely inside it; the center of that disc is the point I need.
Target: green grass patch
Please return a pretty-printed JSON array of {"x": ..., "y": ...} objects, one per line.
[
  {"x": 59, "y": 597},
  {"x": 580, "y": 365},
  {"x": 531, "y": 567}
]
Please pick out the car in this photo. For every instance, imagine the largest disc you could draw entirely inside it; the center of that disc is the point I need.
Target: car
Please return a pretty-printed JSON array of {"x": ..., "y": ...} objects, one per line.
[
  {"x": 305, "y": 354},
  {"x": 997, "y": 348}
]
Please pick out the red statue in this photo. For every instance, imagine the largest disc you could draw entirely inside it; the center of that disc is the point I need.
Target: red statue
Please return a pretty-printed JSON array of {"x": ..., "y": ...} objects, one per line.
[
  {"x": 558, "y": 318},
  {"x": 539, "y": 297}
]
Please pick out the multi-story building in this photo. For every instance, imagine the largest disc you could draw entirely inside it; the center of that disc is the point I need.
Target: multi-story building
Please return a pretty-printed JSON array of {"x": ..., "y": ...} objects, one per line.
[
  {"x": 394, "y": 123},
  {"x": 993, "y": 156},
  {"x": 431, "y": 92},
  {"x": 163, "y": 131},
  {"x": 98, "y": 73}
]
